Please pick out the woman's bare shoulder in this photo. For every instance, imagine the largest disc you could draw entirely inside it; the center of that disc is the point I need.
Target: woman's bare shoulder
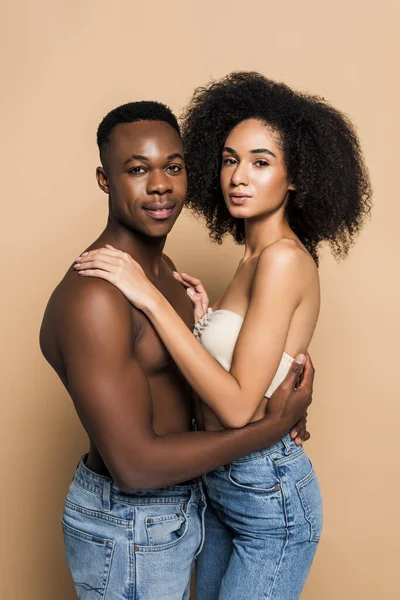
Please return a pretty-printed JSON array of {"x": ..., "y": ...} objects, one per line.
[{"x": 286, "y": 258}]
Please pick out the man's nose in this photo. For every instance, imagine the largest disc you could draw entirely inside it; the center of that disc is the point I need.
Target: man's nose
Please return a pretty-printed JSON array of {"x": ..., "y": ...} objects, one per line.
[{"x": 158, "y": 183}]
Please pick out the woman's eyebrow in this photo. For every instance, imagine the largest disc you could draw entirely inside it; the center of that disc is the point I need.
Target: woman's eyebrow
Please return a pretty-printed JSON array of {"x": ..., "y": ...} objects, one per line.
[
  {"x": 254, "y": 151},
  {"x": 262, "y": 151}
]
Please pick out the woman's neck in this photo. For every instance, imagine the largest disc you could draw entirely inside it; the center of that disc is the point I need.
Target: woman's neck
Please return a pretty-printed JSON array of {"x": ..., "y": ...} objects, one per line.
[{"x": 260, "y": 233}]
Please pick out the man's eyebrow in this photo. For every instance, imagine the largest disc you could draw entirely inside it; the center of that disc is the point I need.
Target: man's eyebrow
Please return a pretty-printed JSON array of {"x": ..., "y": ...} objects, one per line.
[
  {"x": 255, "y": 151},
  {"x": 136, "y": 157},
  {"x": 146, "y": 158}
]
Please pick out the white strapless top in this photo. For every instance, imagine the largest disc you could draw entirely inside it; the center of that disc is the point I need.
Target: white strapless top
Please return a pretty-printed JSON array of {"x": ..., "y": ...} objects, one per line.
[{"x": 218, "y": 332}]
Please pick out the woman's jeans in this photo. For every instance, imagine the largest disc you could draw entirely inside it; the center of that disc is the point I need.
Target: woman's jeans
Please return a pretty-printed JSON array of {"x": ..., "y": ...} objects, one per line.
[
  {"x": 128, "y": 546},
  {"x": 263, "y": 524}
]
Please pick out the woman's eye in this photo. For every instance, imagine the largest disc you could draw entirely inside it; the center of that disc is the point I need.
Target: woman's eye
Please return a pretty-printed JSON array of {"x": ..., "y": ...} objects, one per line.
[
  {"x": 137, "y": 170},
  {"x": 228, "y": 161},
  {"x": 175, "y": 168},
  {"x": 261, "y": 163}
]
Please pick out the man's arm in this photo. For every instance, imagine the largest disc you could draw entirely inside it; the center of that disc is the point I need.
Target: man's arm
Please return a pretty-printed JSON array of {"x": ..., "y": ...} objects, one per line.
[{"x": 113, "y": 400}]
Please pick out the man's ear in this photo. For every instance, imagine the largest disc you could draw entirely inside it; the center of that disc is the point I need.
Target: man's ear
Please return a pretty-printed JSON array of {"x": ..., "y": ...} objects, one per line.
[{"x": 102, "y": 180}]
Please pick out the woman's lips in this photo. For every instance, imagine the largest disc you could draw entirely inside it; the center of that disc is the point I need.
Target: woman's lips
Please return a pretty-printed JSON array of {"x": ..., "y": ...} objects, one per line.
[{"x": 238, "y": 200}]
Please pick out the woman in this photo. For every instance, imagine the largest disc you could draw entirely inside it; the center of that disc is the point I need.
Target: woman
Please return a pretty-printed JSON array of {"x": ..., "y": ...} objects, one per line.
[{"x": 281, "y": 172}]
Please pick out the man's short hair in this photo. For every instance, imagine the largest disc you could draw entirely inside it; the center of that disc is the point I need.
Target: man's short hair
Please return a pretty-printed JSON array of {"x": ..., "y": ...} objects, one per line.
[{"x": 145, "y": 110}]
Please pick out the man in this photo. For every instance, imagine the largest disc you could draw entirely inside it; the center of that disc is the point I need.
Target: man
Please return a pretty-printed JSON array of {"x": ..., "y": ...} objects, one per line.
[{"x": 133, "y": 514}]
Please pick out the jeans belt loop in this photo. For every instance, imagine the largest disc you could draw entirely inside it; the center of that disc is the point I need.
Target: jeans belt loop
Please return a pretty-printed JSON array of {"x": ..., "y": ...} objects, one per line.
[
  {"x": 286, "y": 444},
  {"x": 106, "y": 495}
]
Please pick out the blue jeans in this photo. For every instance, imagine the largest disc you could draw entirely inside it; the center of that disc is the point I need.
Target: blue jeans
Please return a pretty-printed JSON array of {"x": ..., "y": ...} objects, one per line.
[
  {"x": 263, "y": 524},
  {"x": 126, "y": 546}
]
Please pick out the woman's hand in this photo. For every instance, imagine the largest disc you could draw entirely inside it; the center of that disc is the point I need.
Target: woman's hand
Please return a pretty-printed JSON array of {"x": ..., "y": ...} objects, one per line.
[
  {"x": 196, "y": 293},
  {"x": 120, "y": 269}
]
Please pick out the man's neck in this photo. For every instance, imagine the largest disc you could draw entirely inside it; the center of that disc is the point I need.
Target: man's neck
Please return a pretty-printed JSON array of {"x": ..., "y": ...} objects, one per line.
[{"x": 147, "y": 251}]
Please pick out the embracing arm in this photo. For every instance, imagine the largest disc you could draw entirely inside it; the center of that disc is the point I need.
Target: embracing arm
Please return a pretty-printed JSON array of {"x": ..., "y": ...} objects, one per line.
[
  {"x": 276, "y": 292},
  {"x": 235, "y": 395},
  {"x": 112, "y": 397}
]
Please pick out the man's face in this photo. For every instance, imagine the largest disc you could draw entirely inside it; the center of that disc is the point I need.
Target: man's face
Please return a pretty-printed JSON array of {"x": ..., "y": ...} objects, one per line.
[{"x": 145, "y": 177}]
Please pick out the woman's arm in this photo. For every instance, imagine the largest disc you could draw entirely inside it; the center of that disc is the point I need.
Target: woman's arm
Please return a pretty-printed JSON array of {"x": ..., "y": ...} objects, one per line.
[{"x": 235, "y": 395}]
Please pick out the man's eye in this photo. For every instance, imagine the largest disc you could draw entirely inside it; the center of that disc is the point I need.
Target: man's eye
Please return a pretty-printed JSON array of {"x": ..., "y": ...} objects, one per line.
[
  {"x": 261, "y": 163},
  {"x": 228, "y": 161},
  {"x": 137, "y": 170},
  {"x": 174, "y": 168}
]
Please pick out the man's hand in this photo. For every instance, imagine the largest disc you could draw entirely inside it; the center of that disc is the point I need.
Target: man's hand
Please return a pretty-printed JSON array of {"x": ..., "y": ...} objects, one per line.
[
  {"x": 299, "y": 433},
  {"x": 293, "y": 397}
]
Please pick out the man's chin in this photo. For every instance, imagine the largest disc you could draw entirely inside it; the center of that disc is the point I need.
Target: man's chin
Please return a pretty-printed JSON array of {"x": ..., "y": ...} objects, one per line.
[{"x": 160, "y": 228}]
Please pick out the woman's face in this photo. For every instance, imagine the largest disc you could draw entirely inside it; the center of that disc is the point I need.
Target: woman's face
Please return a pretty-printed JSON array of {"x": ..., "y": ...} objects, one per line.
[{"x": 253, "y": 174}]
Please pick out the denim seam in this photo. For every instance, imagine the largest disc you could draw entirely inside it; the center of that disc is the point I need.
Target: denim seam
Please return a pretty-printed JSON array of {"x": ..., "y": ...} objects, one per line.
[
  {"x": 269, "y": 595},
  {"x": 282, "y": 556},
  {"x": 202, "y": 532},
  {"x": 281, "y": 445},
  {"x": 305, "y": 479},
  {"x": 87, "y": 536},
  {"x": 152, "y": 501},
  {"x": 96, "y": 514},
  {"x": 270, "y": 490},
  {"x": 92, "y": 489},
  {"x": 107, "y": 570},
  {"x": 256, "y": 455},
  {"x": 131, "y": 556},
  {"x": 291, "y": 457},
  {"x": 137, "y": 501},
  {"x": 162, "y": 547},
  {"x": 182, "y": 518},
  {"x": 306, "y": 508}
]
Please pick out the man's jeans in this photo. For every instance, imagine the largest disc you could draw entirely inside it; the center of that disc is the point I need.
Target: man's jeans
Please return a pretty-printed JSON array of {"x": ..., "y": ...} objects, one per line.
[
  {"x": 263, "y": 524},
  {"x": 126, "y": 546}
]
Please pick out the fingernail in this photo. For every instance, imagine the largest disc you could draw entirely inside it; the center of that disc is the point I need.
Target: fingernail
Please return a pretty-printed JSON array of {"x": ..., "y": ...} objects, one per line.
[
  {"x": 85, "y": 254},
  {"x": 190, "y": 291},
  {"x": 174, "y": 273},
  {"x": 300, "y": 359},
  {"x": 294, "y": 434},
  {"x": 77, "y": 265}
]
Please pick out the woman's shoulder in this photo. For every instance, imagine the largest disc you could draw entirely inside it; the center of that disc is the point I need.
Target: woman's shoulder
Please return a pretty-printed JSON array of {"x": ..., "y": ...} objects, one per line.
[{"x": 286, "y": 257}]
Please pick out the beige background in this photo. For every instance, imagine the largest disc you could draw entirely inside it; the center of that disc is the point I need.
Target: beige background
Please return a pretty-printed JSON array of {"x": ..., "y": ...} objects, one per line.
[{"x": 64, "y": 65}]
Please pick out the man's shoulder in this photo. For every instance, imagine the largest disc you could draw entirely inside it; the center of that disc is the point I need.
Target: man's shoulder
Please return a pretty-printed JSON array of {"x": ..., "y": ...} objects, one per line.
[
  {"x": 91, "y": 300},
  {"x": 169, "y": 262}
]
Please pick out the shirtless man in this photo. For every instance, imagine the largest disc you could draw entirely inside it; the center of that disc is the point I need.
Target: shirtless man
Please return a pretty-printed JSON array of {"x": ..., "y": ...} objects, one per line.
[{"x": 133, "y": 516}]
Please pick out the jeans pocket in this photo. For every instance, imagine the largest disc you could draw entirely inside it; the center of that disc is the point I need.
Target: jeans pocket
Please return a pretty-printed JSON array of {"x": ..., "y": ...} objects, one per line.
[
  {"x": 310, "y": 497},
  {"x": 89, "y": 559},
  {"x": 255, "y": 475},
  {"x": 165, "y": 526}
]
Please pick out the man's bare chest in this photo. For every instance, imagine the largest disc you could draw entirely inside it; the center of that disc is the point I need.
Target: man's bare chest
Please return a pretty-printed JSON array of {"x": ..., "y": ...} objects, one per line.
[{"x": 148, "y": 346}]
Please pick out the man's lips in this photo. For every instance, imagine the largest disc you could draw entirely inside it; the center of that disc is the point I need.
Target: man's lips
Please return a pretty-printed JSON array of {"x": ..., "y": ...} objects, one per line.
[{"x": 158, "y": 211}]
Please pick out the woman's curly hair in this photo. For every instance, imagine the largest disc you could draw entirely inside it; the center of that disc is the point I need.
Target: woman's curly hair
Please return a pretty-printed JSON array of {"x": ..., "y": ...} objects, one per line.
[{"x": 320, "y": 147}]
